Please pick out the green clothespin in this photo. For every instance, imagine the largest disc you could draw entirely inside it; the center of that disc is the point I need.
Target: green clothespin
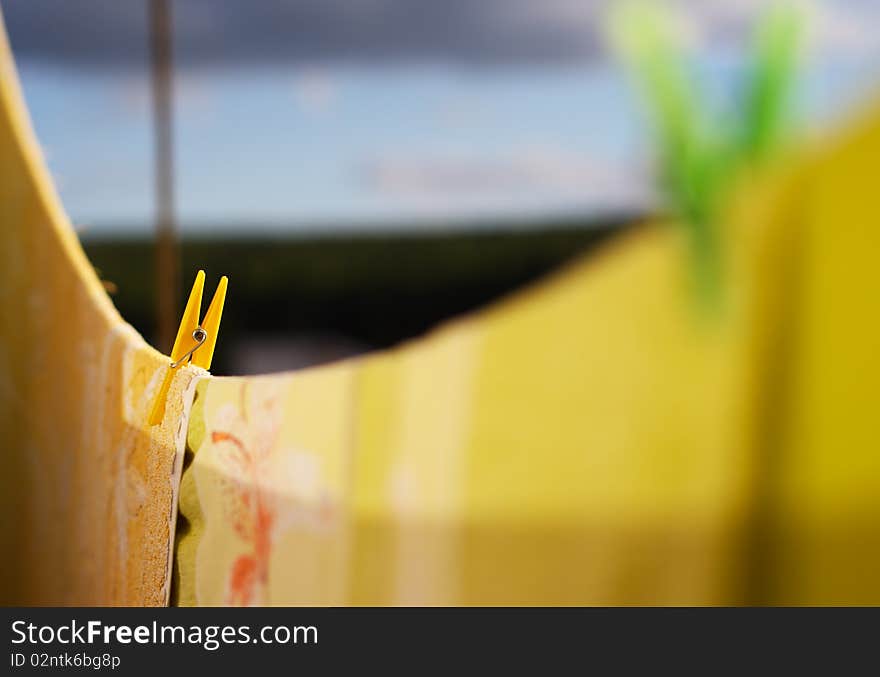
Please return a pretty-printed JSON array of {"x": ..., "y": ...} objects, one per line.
[{"x": 700, "y": 151}]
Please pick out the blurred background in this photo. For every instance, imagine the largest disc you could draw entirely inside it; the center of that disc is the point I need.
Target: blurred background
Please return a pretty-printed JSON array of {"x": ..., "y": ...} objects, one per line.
[{"x": 364, "y": 169}]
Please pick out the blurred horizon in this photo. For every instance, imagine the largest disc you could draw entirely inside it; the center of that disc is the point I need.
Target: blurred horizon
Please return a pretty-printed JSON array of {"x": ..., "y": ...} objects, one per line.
[{"x": 305, "y": 117}]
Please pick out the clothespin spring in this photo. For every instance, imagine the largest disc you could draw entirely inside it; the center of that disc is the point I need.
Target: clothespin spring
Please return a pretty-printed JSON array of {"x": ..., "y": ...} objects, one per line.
[{"x": 200, "y": 336}]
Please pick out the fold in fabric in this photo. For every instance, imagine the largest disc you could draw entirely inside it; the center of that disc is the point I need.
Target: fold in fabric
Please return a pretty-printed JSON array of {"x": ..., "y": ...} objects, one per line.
[{"x": 87, "y": 488}]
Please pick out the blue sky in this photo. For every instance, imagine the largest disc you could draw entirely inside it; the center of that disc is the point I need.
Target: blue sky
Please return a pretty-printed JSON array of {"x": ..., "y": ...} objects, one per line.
[
  {"x": 323, "y": 143},
  {"x": 284, "y": 145}
]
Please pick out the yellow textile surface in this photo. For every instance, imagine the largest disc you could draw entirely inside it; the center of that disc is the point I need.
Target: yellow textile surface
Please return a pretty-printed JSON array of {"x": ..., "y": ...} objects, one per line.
[
  {"x": 824, "y": 538},
  {"x": 279, "y": 478},
  {"x": 579, "y": 444},
  {"x": 87, "y": 488},
  {"x": 595, "y": 439},
  {"x": 588, "y": 441}
]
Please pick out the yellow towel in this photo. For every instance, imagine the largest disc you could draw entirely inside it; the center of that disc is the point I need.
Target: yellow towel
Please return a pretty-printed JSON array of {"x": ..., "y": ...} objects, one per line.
[
  {"x": 88, "y": 504},
  {"x": 823, "y": 531},
  {"x": 596, "y": 439},
  {"x": 588, "y": 441}
]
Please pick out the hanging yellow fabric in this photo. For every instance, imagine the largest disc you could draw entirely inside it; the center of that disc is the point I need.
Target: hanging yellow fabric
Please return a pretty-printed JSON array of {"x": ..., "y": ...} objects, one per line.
[
  {"x": 588, "y": 441},
  {"x": 87, "y": 488},
  {"x": 592, "y": 440},
  {"x": 823, "y": 535}
]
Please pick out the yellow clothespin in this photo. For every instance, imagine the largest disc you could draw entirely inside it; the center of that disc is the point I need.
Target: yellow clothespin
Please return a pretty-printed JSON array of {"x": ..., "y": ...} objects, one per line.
[{"x": 194, "y": 341}]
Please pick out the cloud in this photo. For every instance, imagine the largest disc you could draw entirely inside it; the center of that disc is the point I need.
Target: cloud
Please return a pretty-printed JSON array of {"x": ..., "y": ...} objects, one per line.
[
  {"x": 529, "y": 178},
  {"x": 315, "y": 91},
  {"x": 111, "y": 33},
  {"x": 836, "y": 28},
  {"x": 845, "y": 29}
]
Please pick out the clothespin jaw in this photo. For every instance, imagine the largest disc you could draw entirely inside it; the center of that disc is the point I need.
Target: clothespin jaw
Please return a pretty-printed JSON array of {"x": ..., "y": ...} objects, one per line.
[
  {"x": 211, "y": 325},
  {"x": 195, "y": 341}
]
